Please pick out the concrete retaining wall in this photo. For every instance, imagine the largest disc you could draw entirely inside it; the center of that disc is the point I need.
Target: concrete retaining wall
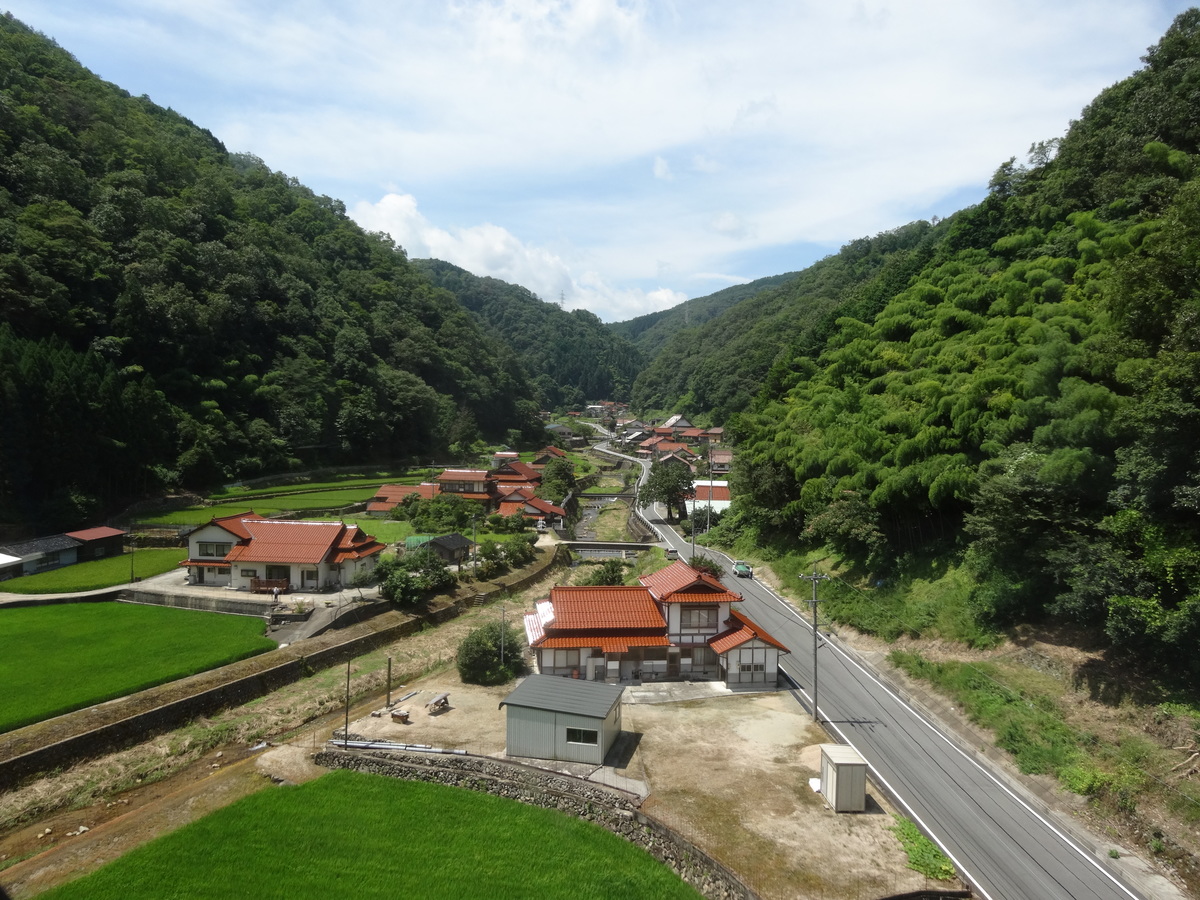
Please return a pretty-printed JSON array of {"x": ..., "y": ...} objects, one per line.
[
  {"x": 613, "y": 810},
  {"x": 231, "y": 605}
]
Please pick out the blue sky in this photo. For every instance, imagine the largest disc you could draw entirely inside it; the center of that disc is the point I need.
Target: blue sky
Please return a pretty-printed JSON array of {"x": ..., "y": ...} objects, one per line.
[{"x": 622, "y": 156}]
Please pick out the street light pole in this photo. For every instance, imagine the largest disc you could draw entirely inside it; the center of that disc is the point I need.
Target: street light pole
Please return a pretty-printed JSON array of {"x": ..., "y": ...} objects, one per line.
[{"x": 814, "y": 578}]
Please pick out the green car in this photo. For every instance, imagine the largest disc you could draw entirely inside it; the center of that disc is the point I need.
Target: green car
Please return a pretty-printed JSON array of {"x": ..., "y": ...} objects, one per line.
[{"x": 742, "y": 569}]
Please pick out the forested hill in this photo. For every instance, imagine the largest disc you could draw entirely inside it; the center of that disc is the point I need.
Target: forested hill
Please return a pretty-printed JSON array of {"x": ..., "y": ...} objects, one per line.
[
  {"x": 713, "y": 370},
  {"x": 174, "y": 315},
  {"x": 1029, "y": 396},
  {"x": 571, "y": 356},
  {"x": 650, "y": 332}
]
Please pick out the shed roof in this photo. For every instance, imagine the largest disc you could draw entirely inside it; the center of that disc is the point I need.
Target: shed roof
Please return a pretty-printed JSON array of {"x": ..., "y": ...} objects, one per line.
[
  {"x": 50, "y": 544},
  {"x": 575, "y": 696},
  {"x": 96, "y": 534}
]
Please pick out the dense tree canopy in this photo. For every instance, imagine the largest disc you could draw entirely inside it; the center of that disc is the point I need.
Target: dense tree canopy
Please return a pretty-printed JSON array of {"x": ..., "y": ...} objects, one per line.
[
  {"x": 153, "y": 284},
  {"x": 570, "y": 356}
]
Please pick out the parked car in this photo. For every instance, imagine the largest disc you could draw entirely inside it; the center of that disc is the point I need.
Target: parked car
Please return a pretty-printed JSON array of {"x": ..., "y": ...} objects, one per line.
[
  {"x": 742, "y": 569},
  {"x": 672, "y": 553}
]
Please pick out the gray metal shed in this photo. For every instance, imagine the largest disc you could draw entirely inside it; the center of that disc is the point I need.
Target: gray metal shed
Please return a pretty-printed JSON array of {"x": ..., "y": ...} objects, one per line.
[
  {"x": 843, "y": 778},
  {"x": 563, "y": 718}
]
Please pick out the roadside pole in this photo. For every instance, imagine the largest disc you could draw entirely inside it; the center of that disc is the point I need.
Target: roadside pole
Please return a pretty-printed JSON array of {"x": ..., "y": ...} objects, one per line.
[{"x": 814, "y": 578}]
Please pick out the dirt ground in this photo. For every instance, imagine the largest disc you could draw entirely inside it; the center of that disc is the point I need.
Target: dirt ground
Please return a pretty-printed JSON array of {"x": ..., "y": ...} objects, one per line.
[{"x": 729, "y": 773}]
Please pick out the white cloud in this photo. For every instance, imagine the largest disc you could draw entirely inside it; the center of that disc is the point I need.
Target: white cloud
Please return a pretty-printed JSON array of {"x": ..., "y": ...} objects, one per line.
[
  {"x": 489, "y": 250},
  {"x": 523, "y": 127}
]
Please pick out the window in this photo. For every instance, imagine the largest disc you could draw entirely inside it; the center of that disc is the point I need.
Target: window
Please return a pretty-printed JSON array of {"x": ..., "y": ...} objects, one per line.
[
  {"x": 583, "y": 736},
  {"x": 207, "y": 548},
  {"x": 751, "y": 667},
  {"x": 564, "y": 658},
  {"x": 698, "y": 617},
  {"x": 249, "y": 573},
  {"x": 704, "y": 656}
]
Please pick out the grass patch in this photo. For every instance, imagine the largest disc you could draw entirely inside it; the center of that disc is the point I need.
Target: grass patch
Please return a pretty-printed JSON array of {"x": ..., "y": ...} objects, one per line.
[
  {"x": 1030, "y": 727},
  {"x": 387, "y": 531},
  {"x": 68, "y": 656},
  {"x": 923, "y": 854},
  {"x": 353, "y": 835},
  {"x": 98, "y": 573},
  {"x": 612, "y": 523}
]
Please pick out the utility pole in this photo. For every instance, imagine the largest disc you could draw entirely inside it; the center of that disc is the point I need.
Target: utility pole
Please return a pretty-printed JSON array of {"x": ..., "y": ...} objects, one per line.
[{"x": 814, "y": 578}]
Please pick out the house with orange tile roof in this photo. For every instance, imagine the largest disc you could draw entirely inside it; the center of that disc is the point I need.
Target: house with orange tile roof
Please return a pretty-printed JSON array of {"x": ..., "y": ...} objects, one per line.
[
  {"x": 677, "y": 624},
  {"x": 389, "y": 496},
  {"x": 523, "y": 502},
  {"x": 250, "y": 553},
  {"x": 546, "y": 454},
  {"x": 210, "y": 543}
]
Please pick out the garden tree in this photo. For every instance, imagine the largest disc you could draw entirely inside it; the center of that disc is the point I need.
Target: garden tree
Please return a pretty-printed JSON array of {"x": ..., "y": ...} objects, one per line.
[
  {"x": 409, "y": 579},
  {"x": 707, "y": 565},
  {"x": 558, "y": 480},
  {"x": 610, "y": 572},
  {"x": 491, "y": 654},
  {"x": 669, "y": 484},
  {"x": 438, "y": 515}
]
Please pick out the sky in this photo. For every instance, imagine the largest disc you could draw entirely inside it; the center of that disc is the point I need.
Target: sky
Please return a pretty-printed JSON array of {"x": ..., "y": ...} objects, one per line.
[{"x": 621, "y": 156}]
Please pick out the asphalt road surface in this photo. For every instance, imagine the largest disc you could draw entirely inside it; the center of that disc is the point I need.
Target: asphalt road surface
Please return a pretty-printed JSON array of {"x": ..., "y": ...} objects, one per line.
[{"x": 999, "y": 842}]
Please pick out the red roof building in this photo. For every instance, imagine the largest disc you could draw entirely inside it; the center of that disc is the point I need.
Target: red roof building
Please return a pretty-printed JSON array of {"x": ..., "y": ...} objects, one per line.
[
  {"x": 678, "y": 623},
  {"x": 251, "y": 553}
]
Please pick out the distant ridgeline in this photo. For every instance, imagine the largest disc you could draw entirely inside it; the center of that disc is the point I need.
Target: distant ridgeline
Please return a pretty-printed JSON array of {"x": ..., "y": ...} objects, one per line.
[
  {"x": 175, "y": 315},
  {"x": 571, "y": 356}
]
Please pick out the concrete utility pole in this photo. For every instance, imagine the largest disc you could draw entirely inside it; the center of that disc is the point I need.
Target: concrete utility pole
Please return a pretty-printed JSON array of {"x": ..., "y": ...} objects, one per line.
[{"x": 814, "y": 578}]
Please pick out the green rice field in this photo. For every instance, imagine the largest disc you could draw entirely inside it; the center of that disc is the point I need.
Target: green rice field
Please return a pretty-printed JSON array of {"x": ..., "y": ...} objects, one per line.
[
  {"x": 364, "y": 836},
  {"x": 69, "y": 656},
  {"x": 97, "y": 573}
]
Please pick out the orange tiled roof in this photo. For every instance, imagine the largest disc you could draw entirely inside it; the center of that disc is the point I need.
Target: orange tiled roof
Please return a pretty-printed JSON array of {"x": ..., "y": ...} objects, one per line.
[
  {"x": 235, "y": 524},
  {"x": 287, "y": 542},
  {"x": 394, "y": 493},
  {"x": 617, "y": 643},
  {"x": 600, "y": 608},
  {"x": 680, "y": 583},
  {"x": 354, "y": 543},
  {"x": 95, "y": 534},
  {"x": 742, "y": 630}
]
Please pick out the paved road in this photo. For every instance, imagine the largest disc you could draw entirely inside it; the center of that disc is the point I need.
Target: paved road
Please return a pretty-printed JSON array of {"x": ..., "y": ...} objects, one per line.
[{"x": 999, "y": 842}]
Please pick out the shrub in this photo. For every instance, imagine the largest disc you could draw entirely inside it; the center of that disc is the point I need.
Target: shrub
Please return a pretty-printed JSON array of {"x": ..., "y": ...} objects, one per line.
[{"x": 479, "y": 655}]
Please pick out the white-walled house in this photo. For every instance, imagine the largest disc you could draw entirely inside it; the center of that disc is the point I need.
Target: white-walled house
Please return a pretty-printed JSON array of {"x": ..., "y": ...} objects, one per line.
[
  {"x": 678, "y": 624},
  {"x": 250, "y": 553}
]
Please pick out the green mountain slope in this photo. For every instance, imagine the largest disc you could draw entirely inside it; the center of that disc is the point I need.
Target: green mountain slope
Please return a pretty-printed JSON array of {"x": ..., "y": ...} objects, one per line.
[
  {"x": 173, "y": 315},
  {"x": 570, "y": 356},
  {"x": 650, "y": 332},
  {"x": 1030, "y": 395},
  {"x": 716, "y": 368}
]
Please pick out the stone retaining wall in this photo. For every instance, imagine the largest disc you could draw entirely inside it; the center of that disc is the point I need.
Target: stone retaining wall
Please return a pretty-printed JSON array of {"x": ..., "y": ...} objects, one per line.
[{"x": 613, "y": 810}]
